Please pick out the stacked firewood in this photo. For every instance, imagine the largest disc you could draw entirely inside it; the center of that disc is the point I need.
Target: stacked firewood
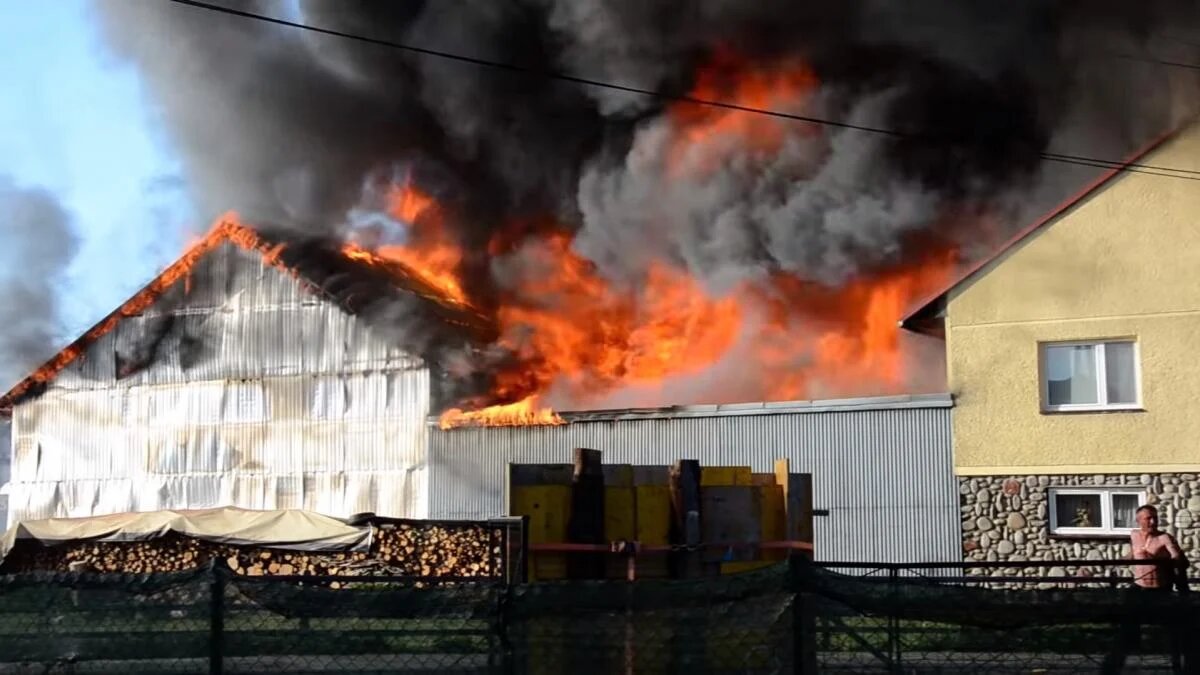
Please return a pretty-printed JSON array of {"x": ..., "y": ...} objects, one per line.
[
  {"x": 409, "y": 549},
  {"x": 438, "y": 551}
]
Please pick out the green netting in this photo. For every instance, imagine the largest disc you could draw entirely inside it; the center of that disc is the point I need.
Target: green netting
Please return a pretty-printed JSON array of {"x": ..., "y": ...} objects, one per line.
[
  {"x": 785, "y": 618},
  {"x": 735, "y": 624},
  {"x": 912, "y": 597},
  {"x": 115, "y": 623},
  {"x": 908, "y": 624}
]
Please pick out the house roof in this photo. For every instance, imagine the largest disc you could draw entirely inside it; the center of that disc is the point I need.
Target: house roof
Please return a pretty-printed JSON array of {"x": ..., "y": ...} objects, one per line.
[
  {"x": 354, "y": 284},
  {"x": 925, "y": 317}
]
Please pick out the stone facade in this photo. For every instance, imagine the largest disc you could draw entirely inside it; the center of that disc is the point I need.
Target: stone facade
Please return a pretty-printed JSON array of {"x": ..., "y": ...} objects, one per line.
[{"x": 1006, "y": 518}]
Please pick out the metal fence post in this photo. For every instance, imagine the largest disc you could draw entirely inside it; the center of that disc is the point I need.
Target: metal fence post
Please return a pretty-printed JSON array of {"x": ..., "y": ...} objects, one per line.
[
  {"x": 216, "y": 629},
  {"x": 523, "y": 562},
  {"x": 804, "y": 623},
  {"x": 894, "y": 647}
]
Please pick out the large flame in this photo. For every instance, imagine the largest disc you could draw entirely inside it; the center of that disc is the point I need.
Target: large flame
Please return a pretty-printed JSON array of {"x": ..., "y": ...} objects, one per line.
[
  {"x": 576, "y": 336},
  {"x": 580, "y": 338},
  {"x": 431, "y": 252},
  {"x": 704, "y": 136},
  {"x": 522, "y": 413}
]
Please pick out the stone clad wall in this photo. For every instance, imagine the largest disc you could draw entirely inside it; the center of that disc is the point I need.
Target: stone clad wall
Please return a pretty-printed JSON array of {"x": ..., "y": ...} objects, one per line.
[{"x": 1006, "y": 518}]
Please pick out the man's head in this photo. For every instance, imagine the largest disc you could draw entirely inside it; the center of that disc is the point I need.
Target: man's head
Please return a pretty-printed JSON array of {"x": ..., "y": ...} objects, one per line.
[{"x": 1147, "y": 518}]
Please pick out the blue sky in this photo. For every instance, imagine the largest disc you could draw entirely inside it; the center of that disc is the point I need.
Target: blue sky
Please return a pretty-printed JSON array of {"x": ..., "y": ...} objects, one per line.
[{"x": 75, "y": 121}]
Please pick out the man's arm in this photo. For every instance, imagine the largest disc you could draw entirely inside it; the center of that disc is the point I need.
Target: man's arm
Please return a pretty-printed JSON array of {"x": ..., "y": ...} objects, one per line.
[
  {"x": 1179, "y": 575},
  {"x": 1173, "y": 548}
]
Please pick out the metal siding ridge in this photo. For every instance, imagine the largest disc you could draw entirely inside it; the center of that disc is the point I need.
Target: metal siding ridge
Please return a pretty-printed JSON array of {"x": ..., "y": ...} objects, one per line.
[
  {"x": 885, "y": 473},
  {"x": 905, "y": 402}
]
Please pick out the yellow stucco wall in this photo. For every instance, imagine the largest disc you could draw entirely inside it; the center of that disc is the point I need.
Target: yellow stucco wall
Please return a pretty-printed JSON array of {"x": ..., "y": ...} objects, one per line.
[{"x": 1123, "y": 263}]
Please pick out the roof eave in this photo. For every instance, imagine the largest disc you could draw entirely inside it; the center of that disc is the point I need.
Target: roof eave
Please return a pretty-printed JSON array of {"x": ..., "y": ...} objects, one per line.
[{"x": 919, "y": 317}]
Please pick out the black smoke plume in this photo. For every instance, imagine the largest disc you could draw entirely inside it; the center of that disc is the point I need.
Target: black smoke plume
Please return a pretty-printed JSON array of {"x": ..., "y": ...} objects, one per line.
[
  {"x": 289, "y": 126},
  {"x": 286, "y": 126},
  {"x": 37, "y": 242}
]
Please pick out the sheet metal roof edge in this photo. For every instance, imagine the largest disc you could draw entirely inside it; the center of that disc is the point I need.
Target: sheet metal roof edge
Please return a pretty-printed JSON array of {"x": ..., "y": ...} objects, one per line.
[
  {"x": 226, "y": 230},
  {"x": 941, "y": 400},
  {"x": 924, "y": 307}
]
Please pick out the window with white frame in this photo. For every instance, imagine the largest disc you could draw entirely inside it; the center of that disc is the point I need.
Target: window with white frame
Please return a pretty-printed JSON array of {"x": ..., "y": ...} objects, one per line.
[
  {"x": 1094, "y": 511},
  {"x": 1100, "y": 375}
]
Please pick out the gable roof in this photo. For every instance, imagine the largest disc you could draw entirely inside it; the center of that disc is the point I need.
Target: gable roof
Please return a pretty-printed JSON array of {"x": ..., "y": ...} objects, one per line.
[
  {"x": 925, "y": 317},
  {"x": 355, "y": 284}
]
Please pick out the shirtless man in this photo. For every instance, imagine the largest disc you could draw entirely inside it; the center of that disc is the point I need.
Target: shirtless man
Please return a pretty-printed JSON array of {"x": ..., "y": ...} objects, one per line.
[{"x": 1148, "y": 543}]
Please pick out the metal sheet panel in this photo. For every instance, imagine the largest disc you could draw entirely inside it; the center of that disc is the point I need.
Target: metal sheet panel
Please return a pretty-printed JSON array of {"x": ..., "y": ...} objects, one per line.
[
  {"x": 5, "y": 469},
  {"x": 236, "y": 317},
  {"x": 205, "y": 444},
  {"x": 883, "y": 470},
  {"x": 235, "y": 388}
]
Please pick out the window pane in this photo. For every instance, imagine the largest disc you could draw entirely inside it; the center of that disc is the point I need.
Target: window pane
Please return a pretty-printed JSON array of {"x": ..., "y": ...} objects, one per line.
[
  {"x": 1071, "y": 374},
  {"x": 1119, "y": 368},
  {"x": 1124, "y": 508},
  {"x": 1078, "y": 510}
]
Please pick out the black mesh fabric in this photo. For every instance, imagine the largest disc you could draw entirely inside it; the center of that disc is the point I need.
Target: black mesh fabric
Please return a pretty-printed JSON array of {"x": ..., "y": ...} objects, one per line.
[
  {"x": 115, "y": 623},
  {"x": 736, "y": 624},
  {"x": 787, "y": 618},
  {"x": 906, "y": 623}
]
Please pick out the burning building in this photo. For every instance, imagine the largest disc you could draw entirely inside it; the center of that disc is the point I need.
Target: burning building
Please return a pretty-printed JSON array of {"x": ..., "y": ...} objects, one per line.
[
  {"x": 720, "y": 203},
  {"x": 245, "y": 374},
  {"x": 262, "y": 371}
]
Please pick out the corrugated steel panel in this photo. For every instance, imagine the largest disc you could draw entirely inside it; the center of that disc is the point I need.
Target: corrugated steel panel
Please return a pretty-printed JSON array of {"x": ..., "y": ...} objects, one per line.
[
  {"x": 254, "y": 393},
  {"x": 5, "y": 469},
  {"x": 256, "y": 444},
  {"x": 236, "y": 318},
  {"x": 883, "y": 471}
]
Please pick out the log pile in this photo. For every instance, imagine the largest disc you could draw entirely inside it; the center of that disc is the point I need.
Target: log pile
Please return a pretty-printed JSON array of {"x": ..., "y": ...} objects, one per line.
[
  {"x": 405, "y": 548},
  {"x": 438, "y": 550}
]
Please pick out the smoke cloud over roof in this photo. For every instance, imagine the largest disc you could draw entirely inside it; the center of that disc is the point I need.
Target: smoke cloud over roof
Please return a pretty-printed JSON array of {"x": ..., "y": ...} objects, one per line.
[
  {"x": 38, "y": 244},
  {"x": 289, "y": 126},
  {"x": 286, "y": 126}
]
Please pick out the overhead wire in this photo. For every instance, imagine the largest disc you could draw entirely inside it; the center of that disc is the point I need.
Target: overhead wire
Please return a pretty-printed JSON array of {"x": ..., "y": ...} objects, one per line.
[{"x": 1077, "y": 160}]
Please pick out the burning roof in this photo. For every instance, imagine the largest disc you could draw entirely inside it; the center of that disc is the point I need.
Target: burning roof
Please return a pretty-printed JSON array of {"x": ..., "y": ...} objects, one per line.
[
  {"x": 354, "y": 278},
  {"x": 754, "y": 233}
]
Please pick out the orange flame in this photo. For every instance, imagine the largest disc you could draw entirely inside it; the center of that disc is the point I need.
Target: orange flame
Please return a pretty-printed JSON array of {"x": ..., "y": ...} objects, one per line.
[
  {"x": 571, "y": 328},
  {"x": 431, "y": 254},
  {"x": 227, "y": 228},
  {"x": 846, "y": 340},
  {"x": 579, "y": 337},
  {"x": 704, "y": 136},
  {"x": 522, "y": 413}
]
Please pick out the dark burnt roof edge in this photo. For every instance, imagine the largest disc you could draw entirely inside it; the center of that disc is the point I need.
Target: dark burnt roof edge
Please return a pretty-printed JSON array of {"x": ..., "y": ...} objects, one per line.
[{"x": 29, "y": 386}]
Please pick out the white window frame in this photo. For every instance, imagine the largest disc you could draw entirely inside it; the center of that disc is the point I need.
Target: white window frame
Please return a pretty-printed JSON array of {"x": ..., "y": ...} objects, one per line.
[
  {"x": 1098, "y": 352},
  {"x": 1104, "y": 495}
]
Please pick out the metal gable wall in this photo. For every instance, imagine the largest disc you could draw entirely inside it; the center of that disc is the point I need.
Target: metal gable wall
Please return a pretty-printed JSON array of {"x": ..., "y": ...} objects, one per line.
[
  {"x": 255, "y": 393},
  {"x": 882, "y": 467},
  {"x": 5, "y": 467}
]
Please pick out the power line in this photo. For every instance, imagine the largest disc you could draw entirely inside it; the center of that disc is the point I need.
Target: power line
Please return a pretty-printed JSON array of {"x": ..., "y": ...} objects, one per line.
[
  {"x": 1134, "y": 167},
  {"x": 1160, "y": 62}
]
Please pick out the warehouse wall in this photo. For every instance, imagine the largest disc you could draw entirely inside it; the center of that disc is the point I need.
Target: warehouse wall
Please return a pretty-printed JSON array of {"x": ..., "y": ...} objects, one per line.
[
  {"x": 237, "y": 387},
  {"x": 5, "y": 469},
  {"x": 882, "y": 467}
]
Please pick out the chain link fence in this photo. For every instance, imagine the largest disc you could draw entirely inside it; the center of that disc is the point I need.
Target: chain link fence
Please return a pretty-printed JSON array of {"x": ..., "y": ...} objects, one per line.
[{"x": 797, "y": 617}]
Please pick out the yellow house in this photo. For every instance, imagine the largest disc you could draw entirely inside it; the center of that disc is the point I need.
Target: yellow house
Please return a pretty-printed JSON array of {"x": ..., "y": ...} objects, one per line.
[{"x": 1073, "y": 356}]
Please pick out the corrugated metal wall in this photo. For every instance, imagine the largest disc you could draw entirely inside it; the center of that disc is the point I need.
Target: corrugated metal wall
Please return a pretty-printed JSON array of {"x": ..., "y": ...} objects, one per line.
[
  {"x": 255, "y": 394},
  {"x": 5, "y": 468},
  {"x": 882, "y": 467}
]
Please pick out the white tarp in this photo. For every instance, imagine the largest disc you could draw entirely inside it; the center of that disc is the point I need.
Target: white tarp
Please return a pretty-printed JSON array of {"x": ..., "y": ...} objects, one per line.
[{"x": 290, "y": 529}]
